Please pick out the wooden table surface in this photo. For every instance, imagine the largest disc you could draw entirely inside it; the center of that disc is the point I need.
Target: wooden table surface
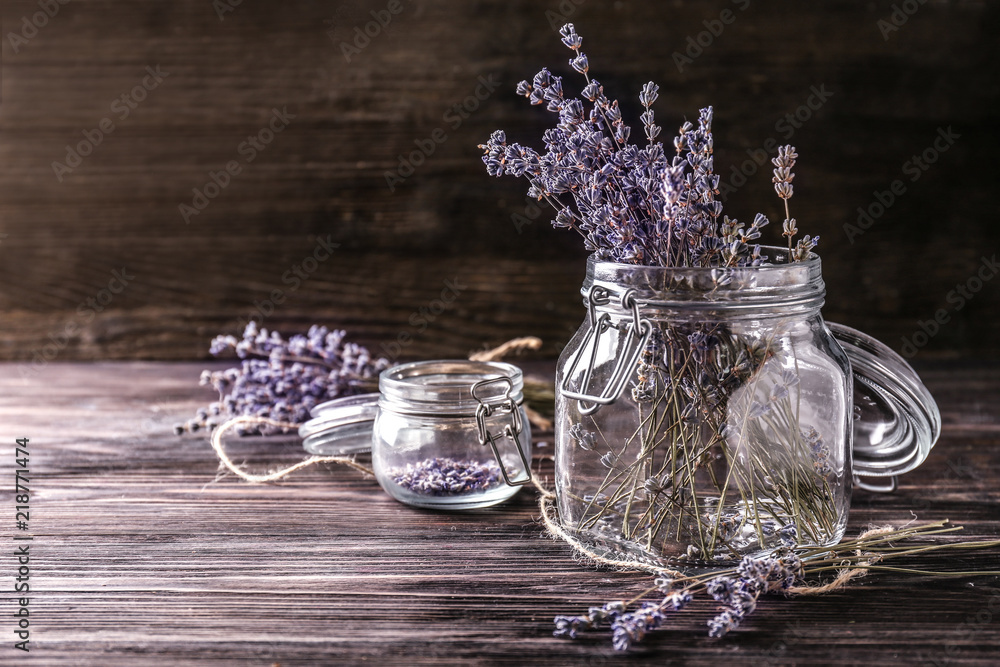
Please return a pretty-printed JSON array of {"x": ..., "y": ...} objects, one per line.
[{"x": 143, "y": 554}]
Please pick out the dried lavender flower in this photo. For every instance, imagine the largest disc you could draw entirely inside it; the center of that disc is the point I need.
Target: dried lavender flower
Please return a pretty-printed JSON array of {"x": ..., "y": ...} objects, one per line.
[
  {"x": 569, "y": 37},
  {"x": 630, "y": 628},
  {"x": 584, "y": 439},
  {"x": 446, "y": 476},
  {"x": 283, "y": 379},
  {"x": 631, "y": 204},
  {"x": 804, "y": 247},
  {"x": 783, "y": 176}
]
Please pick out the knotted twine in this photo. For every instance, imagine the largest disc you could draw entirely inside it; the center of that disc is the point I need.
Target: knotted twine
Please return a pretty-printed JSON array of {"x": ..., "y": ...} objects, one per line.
[{"x": 546, "y": 497}]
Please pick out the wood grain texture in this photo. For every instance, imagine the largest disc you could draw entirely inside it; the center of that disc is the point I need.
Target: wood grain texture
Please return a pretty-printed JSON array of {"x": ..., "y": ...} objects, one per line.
[
  {"x": 324, "y": 174},
  {"x": 142, "y": 555}
]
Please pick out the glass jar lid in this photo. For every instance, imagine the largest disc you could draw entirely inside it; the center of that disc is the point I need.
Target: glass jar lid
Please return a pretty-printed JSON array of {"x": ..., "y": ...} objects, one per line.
[
  {"x": 341, "y": 426},
  {"x": 449, "y": 386},
  {"x": 896, "y": 421}
]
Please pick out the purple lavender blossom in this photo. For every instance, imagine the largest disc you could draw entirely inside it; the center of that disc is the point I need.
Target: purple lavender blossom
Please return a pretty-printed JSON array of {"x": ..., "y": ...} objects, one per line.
[
  {"x": 584, "y": 439},
  {"x": 754, "y": 577},
  {"x": 570, "y": 626},
  {"x": 783, "y": 175},
  {"x": 677, "y": 600},
  {"x": 737, "y": 591},
  {"x": 804, "y": 247},
  {"x": 446, "y": 477},
  {"x": 722, "y": 624},
  {"x": 789, "y": 535},
  {"x": 630, "y": 628},
  {"x": 814, "y": 440},
  {"x": 631, "y": 204},
  {"x": 283, "y": 379}
]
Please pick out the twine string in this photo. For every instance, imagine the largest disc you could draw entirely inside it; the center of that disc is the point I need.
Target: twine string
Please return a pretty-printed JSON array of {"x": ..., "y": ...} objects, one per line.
[
  {"x": 277, "y": 474},
  {"x": 550, "y": 519},
  {"x": 513, "y": 345},
  {"x": 845, "y": 575}
]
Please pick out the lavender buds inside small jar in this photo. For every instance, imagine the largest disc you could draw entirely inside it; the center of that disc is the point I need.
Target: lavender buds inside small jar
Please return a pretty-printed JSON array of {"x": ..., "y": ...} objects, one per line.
[{"x": 451, "y": 434}]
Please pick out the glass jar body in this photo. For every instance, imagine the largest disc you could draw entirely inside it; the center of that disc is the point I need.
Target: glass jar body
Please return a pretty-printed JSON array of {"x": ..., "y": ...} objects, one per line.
[
  {"x": 731, "y": 434},
  {"x": 428, "y": 446}
]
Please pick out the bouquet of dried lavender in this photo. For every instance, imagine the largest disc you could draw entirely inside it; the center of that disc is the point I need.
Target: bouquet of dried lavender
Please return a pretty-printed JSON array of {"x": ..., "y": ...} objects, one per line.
[
  {"x": 282, "y": 380},
  {"x": 709, "y": 455},
  {"x": 633, "y": 204}
]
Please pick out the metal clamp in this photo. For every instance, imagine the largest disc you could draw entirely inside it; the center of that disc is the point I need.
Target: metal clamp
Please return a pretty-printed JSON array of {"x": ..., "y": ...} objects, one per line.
[
  {"x": 512, "y": 430},
  {"x": 637, "y": 335}
]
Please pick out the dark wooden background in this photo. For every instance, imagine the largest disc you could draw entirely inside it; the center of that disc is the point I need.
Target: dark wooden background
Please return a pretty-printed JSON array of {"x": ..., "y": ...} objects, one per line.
[{"x": 325, "y": 173}]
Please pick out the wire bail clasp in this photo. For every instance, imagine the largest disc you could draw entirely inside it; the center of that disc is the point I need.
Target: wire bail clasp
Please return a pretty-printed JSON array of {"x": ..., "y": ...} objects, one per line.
[
  {"x": 637, "y": 333},
  {"x": 504, "y": 405}
]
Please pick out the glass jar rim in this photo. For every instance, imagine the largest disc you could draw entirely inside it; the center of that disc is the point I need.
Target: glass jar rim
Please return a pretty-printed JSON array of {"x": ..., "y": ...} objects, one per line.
[
  {"x": 768, "y": 253},
  {"x": 770, "y": 284},
  {"x": 446, "y": 386}
]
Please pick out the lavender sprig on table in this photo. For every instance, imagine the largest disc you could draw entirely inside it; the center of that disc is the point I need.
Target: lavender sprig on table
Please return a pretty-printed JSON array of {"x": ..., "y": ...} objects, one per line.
[
  {"x": 283, "y": 379},
  {"x": 631, "y": 204},
  {"x": 738, "y": 589}
]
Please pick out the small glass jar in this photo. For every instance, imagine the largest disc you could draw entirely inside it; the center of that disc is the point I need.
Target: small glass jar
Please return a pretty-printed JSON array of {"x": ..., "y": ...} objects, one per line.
[
  {"x": 451, "y": 434},
  {"x": 707, "y": 414}
]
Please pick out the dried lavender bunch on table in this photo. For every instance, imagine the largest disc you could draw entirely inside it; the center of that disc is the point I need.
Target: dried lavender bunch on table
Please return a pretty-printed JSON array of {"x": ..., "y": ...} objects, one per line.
[
  {"x": 283, "y": 380},
  {"x": 788, "y": 572}
]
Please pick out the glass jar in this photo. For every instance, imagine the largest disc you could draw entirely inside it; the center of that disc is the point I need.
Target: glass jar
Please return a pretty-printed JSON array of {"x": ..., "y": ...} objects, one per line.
[
  {"x": 451, "y": 434},
  {"x": 703, "y": 414}
]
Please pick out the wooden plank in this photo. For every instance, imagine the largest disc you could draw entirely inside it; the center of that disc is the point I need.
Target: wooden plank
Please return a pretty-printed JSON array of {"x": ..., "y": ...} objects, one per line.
[{"x": 142, "y": 555}]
